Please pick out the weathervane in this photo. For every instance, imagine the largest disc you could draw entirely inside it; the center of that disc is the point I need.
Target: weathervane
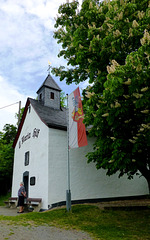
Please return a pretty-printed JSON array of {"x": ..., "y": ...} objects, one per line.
[{"x": 49, "y": 67}]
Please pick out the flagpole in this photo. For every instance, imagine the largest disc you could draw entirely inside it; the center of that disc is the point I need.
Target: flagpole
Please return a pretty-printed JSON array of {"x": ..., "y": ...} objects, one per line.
[{"x": 68, "y": 191}]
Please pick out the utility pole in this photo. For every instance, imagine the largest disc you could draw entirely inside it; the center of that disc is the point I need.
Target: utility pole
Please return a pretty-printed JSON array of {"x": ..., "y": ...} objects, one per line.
[{"x": 19, "y": 113}]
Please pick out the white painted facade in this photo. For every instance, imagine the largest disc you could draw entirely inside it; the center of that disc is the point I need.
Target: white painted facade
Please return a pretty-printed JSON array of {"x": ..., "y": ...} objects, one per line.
[
  {"x": 86, "y": 181},
  {"x": 48, "y": 164},
  {"x": 38, "y": 158}
]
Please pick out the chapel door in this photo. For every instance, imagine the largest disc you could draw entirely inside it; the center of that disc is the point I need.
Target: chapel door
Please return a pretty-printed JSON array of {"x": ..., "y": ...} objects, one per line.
[{"x": 26, "y": 182}]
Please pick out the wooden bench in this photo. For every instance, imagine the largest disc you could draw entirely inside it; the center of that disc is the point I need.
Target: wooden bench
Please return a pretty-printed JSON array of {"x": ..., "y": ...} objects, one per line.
[
  {"x": 12, "y": 202},
  {"x": 34, "y": 203}
]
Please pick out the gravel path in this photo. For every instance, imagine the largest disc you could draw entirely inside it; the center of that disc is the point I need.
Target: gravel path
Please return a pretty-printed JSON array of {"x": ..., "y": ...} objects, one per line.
[
  {"x": 12, "y": 231},
  {"x": 8, "y": 211},
  {"x": 17, "y": 232}
]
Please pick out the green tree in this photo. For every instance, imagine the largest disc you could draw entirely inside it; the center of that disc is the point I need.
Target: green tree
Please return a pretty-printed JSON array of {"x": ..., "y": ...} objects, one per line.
[
  {"x": 21, "y": 114},
  {"x": 9, "y": 133},
  {"x": 6, "y": 157},
  {"x": 108, "y": 44},
  {"x": 62, "y": 99},
  {"x": 122, "y": 117}
]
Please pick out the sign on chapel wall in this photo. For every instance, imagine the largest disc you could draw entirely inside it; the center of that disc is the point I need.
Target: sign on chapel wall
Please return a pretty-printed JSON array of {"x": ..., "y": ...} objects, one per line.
[{"x": 26, "y": 137}]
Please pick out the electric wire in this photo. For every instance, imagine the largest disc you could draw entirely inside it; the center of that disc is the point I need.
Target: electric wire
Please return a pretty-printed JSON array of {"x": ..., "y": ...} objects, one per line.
[{"x": 8, "y": 105}]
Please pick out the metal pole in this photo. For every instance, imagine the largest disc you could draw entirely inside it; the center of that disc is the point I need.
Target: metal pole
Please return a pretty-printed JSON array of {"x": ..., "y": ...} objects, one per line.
[{"x": 68, "y": 191}]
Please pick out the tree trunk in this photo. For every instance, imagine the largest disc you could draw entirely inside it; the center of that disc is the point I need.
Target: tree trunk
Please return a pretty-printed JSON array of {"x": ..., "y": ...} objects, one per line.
[
  {"x": 148, "y": 184},
  {"x": 146, "y": 173}
]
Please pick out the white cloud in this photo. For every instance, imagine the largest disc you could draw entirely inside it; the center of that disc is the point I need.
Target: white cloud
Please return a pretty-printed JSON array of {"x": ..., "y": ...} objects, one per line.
[
  {"x": 9, "y": 95},
  {"x": 26, "y": 45},
  {"x": 27, "y": 35}
]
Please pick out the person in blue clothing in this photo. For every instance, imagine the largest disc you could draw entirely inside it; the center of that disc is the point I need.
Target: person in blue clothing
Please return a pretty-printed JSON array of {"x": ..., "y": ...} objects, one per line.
[{"x": 21, "y": 196}]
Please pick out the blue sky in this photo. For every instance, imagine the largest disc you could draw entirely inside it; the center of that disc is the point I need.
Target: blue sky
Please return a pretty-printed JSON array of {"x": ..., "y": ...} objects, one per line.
[{"x": 26, "y": 46}]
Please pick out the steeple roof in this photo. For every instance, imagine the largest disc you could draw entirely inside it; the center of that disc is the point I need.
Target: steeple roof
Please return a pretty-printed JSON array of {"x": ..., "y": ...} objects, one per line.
[{"x": 50, "y": 83}]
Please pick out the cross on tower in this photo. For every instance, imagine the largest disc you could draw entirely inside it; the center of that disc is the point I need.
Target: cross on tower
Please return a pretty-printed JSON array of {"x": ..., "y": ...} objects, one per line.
[{"x": 49, "y": 67}]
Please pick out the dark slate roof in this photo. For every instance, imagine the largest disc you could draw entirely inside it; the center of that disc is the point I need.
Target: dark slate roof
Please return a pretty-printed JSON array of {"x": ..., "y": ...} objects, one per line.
[
  {"x": 51, "y": 117},
  {"x": 50, "y": 83}
]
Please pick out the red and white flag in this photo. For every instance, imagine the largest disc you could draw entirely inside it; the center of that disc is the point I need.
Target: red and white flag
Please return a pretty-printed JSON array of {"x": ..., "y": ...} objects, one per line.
[{"x": 77, "y": 132}]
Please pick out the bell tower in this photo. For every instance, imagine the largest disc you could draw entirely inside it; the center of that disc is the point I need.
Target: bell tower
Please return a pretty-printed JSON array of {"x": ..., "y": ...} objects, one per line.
[{"x": 49, "y": 93}]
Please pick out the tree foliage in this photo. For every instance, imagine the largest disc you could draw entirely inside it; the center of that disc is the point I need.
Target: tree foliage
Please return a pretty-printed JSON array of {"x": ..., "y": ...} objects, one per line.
[
  {"x": 6, "y": 157},
  {"x": 21, "y": 114},
  {"x": 62, "y": 99},
  {"x": 108, "y": 43}
]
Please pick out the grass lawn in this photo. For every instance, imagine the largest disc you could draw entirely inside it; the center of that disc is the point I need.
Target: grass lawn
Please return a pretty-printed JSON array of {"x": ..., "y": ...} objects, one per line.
[{"x": 102, "y": 224}]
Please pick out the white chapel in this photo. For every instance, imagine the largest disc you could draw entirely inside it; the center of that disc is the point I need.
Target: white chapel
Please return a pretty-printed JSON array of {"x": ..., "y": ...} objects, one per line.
[{"x": 40, "y": 158}]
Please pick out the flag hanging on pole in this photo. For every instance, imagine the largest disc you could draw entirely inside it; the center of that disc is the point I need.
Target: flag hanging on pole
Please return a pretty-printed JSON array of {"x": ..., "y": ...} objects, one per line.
[{"x": 77, "y": 131}]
